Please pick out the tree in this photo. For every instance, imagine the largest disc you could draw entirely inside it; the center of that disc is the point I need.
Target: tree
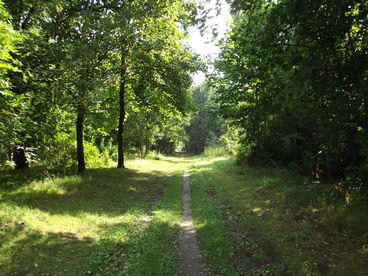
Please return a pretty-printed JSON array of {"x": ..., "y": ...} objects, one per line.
[
  {"x": 206, "y": 126},
  {"x": 78, "y": 56},
  {"x": 81, "y": 36},
  {"x": 9, "y": 101},
  {"x": 154, "y": 63},
  {"x": 294, "y": 79}
]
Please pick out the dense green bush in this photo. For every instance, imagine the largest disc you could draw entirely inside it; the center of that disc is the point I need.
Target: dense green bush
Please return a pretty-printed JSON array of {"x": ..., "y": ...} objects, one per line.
[{"x": 58, "y": 153}]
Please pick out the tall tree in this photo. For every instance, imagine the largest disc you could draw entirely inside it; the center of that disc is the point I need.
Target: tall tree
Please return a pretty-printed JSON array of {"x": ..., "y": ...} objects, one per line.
[
  {"x": 153, "y": 59},
  {"x": 81, "y": 30}
]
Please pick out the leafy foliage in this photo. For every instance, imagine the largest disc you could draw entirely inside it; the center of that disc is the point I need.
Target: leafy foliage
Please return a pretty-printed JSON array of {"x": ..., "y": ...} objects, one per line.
[
  {"x": 293, "y": 78},
  {"x": 206, "y": 125},
  {"x": 10, "y": 102},
  {"x": 65, "y": 63}
]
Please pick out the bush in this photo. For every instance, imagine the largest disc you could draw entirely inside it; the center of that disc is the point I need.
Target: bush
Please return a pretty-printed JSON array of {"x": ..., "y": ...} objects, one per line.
[
  {"x": 229, "y": 141},
  {"x": 59, "y": 153},
  {"x": 355, "y": 185},
  {"x": 108, "y": 149},
  {"x": 7, "y": 165},
  {"x": 242, "y": 155},
  {"x": 92, "y": 155},
  {"x": 216, "y": 151}
]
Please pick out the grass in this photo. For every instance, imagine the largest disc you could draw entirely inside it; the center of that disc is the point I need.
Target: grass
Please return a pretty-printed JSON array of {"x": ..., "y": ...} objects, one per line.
[
  {"x": 215, "y": 240},
  {"x": 155, "y": 253},
  {"x": 250, "y": 221},
  {"x": 271, "y": 222},
  {"x": 98, "y": 223}
]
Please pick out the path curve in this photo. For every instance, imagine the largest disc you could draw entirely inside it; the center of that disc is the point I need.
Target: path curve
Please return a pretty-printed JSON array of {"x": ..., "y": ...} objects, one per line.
[{"x": 191, "y": 263}]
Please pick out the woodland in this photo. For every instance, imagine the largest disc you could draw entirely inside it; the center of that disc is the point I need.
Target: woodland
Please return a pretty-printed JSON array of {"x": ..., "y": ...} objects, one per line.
[
  {"x": 294, "y": 80},
  {"x": 97, "y": 97},
  {"x": 85, "y": 81}
]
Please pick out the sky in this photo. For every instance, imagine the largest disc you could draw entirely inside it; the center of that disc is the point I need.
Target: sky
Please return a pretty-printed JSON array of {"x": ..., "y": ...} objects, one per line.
[{"x": 205, "y": 45}]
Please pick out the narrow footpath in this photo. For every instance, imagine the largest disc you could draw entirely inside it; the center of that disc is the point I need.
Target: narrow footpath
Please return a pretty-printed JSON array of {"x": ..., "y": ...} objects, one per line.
[{"x": 191, "y": 263}]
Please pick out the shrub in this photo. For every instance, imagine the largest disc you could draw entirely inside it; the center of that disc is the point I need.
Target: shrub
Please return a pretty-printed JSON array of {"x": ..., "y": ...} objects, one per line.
[
  {"x": 216, "y": 151},
  {"x": 59, "y": 153}
]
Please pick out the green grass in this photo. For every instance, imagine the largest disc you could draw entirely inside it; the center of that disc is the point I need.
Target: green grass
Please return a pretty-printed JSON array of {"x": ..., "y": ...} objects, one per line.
[
  {"x": 124, "y": 222},
  {"x": 272, "y": 222},
  {"x": 155, "y": 253},
  {"x": 215, "y": 240},
  {"x": 85, "y": 224}
]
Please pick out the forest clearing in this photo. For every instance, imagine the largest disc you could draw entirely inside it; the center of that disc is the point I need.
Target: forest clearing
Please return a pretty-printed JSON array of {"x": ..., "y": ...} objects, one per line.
[{"x": 184, "y": 137}]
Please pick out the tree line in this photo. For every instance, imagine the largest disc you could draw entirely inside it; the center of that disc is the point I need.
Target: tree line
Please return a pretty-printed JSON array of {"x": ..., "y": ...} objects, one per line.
[
  {"x": 293, "y": 77},
  {"x": 99, "y": 78},
  {"x": 101, "y": 73}
]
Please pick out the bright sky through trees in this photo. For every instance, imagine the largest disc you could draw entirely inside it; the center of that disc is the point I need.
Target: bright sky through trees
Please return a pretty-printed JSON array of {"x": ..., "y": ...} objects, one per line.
[{"x": 206, "y": 45}]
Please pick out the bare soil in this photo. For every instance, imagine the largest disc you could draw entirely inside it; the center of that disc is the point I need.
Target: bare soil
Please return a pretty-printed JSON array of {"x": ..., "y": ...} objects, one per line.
[{"x": 190, "y": 257}]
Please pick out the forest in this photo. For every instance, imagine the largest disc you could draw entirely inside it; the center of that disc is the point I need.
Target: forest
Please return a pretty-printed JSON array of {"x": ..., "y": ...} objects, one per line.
[
  {"x": 77, "y": 74},
  {"x": 294, "y": 80},
  {"x": 100, "y": 119}
]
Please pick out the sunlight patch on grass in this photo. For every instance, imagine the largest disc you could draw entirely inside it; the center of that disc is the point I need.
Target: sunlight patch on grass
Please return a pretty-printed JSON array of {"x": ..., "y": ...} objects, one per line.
[
  {"x": 155, "y": 253},
  {"x": 49, "y": 226}
]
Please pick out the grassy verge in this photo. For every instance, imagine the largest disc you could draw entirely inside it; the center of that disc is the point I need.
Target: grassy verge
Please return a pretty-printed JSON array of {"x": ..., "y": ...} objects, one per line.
[
  {"x": 155, "y": 253},
  {"x": 272, "y": 222},
  {"x": 211, "y": 224},
  {"x": 79, "y": 224}
]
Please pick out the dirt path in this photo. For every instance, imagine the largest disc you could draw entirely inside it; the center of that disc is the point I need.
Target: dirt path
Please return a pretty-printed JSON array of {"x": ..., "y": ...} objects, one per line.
[{"x": 191, "y": 263}]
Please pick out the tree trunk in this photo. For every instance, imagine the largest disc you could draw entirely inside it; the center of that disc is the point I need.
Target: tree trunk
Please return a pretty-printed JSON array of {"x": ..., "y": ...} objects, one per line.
[
  {"x": 80, "y": 147},
  {"x": 123, "y": 71},
  {"x": 20, "y": 158}
]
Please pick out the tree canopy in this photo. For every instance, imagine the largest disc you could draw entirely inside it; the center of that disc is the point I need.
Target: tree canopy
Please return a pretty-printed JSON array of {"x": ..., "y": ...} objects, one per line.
[
  {"x": 68, "y": 63},
  {"x": 80, "y": 78},
  {"x": 293, "y": 77}
]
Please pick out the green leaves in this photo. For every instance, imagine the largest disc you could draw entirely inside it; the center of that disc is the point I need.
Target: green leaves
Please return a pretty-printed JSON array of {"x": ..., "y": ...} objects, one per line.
[
  {"x": 292, "y": 75},
  {"x": 65, "y": 57},
  {"x": 10, "y": 102}
]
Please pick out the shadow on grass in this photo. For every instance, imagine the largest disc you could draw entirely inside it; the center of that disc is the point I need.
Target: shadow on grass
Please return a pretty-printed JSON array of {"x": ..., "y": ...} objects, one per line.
[
  {"x": 36, "y": 253},
  {"x": 142, "y": 253},
  {"x": 156, "y": 252},
  {"x": 13, "y": 179},
  {"x": 148, "y": 252},
  {"x": 107, "y": 191}
]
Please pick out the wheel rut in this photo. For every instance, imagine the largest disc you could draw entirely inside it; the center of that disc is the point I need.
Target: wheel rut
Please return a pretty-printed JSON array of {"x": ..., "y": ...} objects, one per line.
[{"x": 191, "y": 262}]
